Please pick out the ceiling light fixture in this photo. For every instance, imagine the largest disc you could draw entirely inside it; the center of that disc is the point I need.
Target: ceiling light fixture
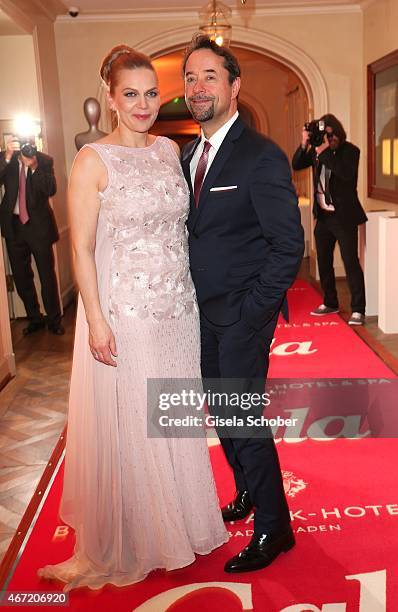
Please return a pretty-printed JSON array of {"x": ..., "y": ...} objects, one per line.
[{"x": 214, "y": 22}]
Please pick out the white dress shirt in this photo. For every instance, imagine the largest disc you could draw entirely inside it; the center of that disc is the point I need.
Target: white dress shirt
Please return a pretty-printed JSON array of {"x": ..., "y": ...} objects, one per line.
[
  {"x": 321, "y": 190},
  {"x": 216, "y": 141}
]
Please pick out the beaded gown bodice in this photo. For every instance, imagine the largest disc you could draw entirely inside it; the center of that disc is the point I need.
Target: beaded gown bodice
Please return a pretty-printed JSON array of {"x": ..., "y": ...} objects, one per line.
[{"x": 145, "y": 212}]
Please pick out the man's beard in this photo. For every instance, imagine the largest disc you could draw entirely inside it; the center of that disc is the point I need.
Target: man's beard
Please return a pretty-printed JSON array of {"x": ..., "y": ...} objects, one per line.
[{"x": 202, "y": 115}]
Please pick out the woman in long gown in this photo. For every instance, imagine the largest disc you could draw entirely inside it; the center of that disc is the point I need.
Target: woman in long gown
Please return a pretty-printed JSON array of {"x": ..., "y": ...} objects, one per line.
[{"x": 135, "y": 503}]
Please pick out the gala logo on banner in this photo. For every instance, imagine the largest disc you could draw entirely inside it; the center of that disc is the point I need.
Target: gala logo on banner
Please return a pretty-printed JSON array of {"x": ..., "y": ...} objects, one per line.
[
  {"x": 225, "y": 596},
  {"x": 292, "y": 348},
  {"x": 234, "y": 597}
]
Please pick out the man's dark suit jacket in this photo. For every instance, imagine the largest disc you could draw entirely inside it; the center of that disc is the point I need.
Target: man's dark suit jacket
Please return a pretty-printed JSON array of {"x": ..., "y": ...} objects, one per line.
[
  {"x": 246, "y": 242},
  {"x": 343, "y": 164},
  {"x": 40, "y": 186}
]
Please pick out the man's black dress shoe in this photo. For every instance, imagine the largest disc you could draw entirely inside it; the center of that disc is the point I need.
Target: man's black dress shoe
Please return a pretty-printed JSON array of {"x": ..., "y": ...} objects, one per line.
[
  {"x": 239, "y": 508},
  {"x": 260, "y": 552},
  {"x": 33, "y": 327},
  {"x": 58, "y": 330}
]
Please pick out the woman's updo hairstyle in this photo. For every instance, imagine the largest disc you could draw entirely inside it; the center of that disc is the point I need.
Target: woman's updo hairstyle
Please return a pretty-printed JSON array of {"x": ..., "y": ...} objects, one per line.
[{"x": 120, "y": 58}]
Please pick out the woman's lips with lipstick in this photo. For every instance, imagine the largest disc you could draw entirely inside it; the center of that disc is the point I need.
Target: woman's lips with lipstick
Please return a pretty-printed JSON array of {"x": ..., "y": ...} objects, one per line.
[{"x": 141, "y": 117}]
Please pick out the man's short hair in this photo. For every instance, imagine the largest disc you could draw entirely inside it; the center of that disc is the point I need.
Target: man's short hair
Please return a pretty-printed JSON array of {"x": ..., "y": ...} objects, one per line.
[
  {"x": 336, "y": 125},
  {"x": 200, "y": 41}
]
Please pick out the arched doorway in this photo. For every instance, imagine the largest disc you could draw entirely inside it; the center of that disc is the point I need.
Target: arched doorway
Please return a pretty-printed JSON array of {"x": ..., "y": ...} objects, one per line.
[{"x": 264, "y": 43}]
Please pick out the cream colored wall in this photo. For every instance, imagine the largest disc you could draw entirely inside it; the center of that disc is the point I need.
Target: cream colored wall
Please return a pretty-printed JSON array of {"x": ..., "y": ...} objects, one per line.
[
  {"x": 380, "y": 36},
  {"x": 19, "y": 93},
  {"x": 380, "y": 29}
]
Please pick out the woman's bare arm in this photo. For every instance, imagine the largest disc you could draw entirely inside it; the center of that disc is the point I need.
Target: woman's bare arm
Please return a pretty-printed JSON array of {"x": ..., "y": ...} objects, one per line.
[{"x": 87, "y": 178}]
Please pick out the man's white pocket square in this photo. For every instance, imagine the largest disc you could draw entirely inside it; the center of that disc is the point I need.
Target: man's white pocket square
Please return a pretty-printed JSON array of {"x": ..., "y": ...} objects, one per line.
[{"x": 227, "y": 188}]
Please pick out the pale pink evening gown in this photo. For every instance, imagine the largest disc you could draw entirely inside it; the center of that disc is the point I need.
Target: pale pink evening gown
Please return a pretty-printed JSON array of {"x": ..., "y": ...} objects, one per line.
[{"x": 136, "y": 503}]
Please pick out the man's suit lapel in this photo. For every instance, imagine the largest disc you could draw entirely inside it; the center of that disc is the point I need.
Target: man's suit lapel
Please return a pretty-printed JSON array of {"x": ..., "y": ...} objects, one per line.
[
  {"x": 217, "y": 165},
  {"x": 13, "y": 184}
]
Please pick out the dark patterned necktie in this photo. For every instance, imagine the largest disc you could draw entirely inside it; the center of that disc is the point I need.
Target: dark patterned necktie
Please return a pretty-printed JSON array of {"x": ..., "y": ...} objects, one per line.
[
  {"x": 23, "y": 209},
  {"x": 200, "y": 171}
]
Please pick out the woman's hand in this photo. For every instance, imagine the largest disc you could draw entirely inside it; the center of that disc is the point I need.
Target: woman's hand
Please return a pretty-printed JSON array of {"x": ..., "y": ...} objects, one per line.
[{"x": 102, "y": 342}]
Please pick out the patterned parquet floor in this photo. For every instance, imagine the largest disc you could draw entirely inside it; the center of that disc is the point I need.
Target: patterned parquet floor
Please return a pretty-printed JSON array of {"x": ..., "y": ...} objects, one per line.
[{"x": 33, "y": 408}]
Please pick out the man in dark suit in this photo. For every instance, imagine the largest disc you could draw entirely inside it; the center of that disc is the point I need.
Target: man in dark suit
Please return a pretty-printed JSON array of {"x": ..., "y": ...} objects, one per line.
[
  {"x": 29, "y": 228},
  {"x": 337, "y": 211},
  {"x": 246, "y": 245}
]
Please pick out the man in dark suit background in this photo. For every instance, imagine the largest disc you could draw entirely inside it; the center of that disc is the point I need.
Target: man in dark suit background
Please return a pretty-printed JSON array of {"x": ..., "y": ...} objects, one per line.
[
  {"x": 337, "y": 211},
  {"x": 246, "y": 245},
  {"x": 29, "y": 228}
]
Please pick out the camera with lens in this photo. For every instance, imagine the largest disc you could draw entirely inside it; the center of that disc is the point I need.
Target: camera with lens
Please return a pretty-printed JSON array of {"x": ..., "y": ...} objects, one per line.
[
  {"x": 27, "y": 146},
  {"x": 316, "y": 131}
]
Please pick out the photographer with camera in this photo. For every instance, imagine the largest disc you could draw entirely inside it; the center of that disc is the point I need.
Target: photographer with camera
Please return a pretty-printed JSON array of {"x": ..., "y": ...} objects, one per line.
[
  {"x": 336, "y": 208},
  {"x": 29, "y": 228}
]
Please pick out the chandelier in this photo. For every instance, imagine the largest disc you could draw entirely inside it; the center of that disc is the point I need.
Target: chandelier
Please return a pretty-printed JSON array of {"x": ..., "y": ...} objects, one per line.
[{"x": 214, "y": 22}]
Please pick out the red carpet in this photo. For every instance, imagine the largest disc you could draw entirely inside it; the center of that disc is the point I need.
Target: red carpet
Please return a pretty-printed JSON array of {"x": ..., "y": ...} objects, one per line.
[{"x": 342, "y": 494}]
